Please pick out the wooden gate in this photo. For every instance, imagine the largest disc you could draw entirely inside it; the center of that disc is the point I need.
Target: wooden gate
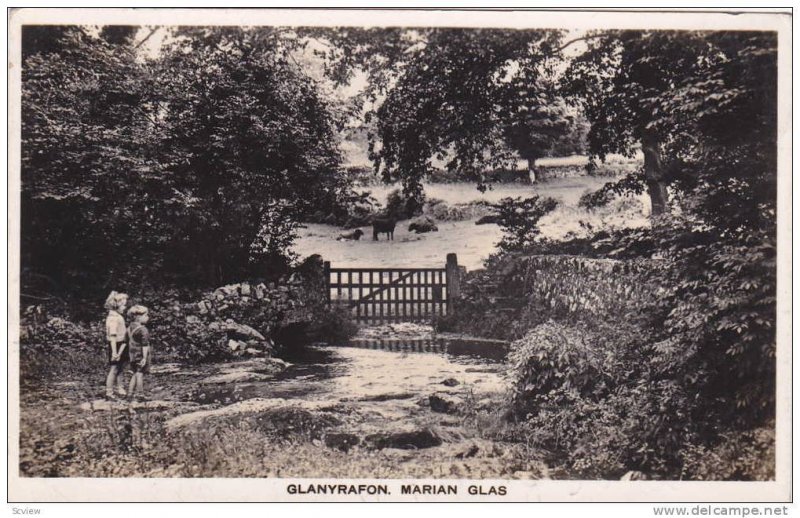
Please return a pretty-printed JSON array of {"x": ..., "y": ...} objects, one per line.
[{"x": 378, "y": 295}]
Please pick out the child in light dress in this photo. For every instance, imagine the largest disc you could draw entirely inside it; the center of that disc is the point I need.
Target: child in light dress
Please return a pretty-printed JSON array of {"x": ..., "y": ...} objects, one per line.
[{"x": 117, "y": 350}]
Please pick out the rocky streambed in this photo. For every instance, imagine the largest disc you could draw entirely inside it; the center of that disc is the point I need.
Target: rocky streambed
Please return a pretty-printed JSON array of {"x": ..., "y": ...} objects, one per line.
[{"x": 395, "y": 402}]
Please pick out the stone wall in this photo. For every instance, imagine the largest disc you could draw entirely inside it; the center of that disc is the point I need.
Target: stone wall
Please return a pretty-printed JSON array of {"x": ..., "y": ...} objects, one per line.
[
  {"x": 516, "y": 292},
  {"x": 244, "y": 318}
]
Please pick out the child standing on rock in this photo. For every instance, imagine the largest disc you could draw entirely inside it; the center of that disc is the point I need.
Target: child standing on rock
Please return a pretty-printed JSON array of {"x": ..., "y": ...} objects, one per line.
[
  {"x": 139, "y": 345},
  {"x": 117, "y": 349}
]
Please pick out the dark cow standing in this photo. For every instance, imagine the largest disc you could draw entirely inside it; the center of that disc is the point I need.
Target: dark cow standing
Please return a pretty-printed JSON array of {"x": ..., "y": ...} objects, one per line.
[{"x": 383, "y": 226}]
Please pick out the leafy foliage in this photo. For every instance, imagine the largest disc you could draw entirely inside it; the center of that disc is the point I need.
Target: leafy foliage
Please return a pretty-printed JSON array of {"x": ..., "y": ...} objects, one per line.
[
  {"x": 85, "y": 146},
  {"x": 679, "y": 95},
  {"x": 641, "y": 363},
  {"x": 630, "y": 184},
  {"x": 553, "y": 356},
  {"x": 721, "y": 309},
  {"x": 519, "y": 220},
  {"x": 748, "y": 455},
  {"x": 278, "y": 230},
  {"x": 251, "y": 139},
  {"x": 399, "y": 206},
  {"x": 180, "y": 165},
  {"x": 478, "y": 99}
]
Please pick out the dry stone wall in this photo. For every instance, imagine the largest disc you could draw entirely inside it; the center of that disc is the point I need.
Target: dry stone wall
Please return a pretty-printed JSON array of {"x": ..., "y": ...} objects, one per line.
[{"x": 249, "y": 313}]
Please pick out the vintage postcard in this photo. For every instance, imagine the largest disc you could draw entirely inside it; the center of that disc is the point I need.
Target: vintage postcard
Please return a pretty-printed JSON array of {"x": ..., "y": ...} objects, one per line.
[{"x": 399, "y": 255}]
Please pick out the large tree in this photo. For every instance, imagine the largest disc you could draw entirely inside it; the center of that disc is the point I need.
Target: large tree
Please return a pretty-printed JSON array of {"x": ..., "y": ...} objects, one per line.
[
  {"x": 85, "y": 151},
  {"x": 249, "y": 141},
  {"x": 703, "y": 106},
  {"x": 649, "y": 90},
  {"x": 477, "y": 99},
  {"x": 197, "y": 164}
]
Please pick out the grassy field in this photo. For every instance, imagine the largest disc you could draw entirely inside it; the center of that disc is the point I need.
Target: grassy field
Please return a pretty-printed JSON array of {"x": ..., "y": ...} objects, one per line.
[{"x": 473, "y": 243}]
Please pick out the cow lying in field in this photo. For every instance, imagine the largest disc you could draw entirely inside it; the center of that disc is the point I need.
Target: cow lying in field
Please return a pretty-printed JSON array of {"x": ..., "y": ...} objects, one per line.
[
  {"x": 351, "y": 236},
  {"x": 491, "y": 219},
  {"x": 383, "y": 226},
  {"x": 423, "y": 224}
]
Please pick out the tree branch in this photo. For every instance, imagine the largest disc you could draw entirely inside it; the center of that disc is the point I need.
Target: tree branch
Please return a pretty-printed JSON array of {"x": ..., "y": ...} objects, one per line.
[
  {"x": 582, "y": 38},
  {"x": 44, "y": 299},
  {"x": 152, "y": 31}
]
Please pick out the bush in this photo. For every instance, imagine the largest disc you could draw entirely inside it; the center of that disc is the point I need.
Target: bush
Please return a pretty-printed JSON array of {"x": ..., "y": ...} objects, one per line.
[
  {"x": 639, "y": 426},
  {"x": 441, "y": 211},
  {"x": 58, "y": 347},
  {"x": 721, "y": 306},
  {"x": 659, "y": 365},
  {"x": 594, "y": 199},
  {"x": 519, "y": 219},
  {"x": 551, "y": 357},
  {"x": 590, "y": 396},
  {"x": 632, "y": 183},
  {"x": 747, "y": 455},
  {"x": 686, "y": 369},
  {"x": 333, "y": 325},
  {"x": 399, "y": 206},
  {"x": 345, "y": 207}
]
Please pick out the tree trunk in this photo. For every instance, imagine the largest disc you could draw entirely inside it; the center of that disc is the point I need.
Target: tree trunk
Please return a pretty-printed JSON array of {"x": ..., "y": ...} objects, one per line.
[
  {"x": 532, "y": 169},
  {"x": 653, "y": 174}
]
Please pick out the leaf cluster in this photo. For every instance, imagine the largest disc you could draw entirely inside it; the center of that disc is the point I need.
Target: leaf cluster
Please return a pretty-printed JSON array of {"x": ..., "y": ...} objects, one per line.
[
  {"x": 194, "y": 166},
  {"x": 519, "y": 220}
]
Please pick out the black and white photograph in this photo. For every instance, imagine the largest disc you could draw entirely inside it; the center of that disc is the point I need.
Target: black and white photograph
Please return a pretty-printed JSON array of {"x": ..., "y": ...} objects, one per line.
[{"x": 399, "y": 255}]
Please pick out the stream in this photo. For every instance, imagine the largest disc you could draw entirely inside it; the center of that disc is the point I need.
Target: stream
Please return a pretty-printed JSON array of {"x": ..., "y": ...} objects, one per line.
[
  {"x": 409, "y": 399},
  {"x": 389, "y": 376},
  {"x": 391, "y": 403}
]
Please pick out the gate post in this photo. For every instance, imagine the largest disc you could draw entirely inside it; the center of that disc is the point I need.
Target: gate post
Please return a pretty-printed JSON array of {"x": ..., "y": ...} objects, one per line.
[
  {"x": 453, "y": 280},
  {"x": 326, "y": 268}
]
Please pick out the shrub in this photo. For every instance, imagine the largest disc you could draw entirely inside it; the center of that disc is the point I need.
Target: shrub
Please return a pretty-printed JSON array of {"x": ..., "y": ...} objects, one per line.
[
  {"x": 594, "y": 199},
  {"x": 58, "y": 347},
  {"x": 348, "y": 208},
  {"x": 632, "y": 183},
  {"x": 519, "y": 220},
  {"x": 747, "y": 455},
  {"x": 399, "y": 206},
  {"x": 638, "y": 426},
  {"x": 597, "y": 399},
  {"x": 723, "y": 303},
  {"x": 686, "y": 369},
  {"x": 270, "y": 251},
  {"x": 333, "y": 324},
  {"x": 441, "y": 211},
  {"x": 551, "y": 357}
]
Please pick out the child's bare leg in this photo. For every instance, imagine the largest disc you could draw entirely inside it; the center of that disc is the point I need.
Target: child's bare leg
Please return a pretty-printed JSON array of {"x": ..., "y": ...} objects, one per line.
[
  {"x": 140, "y": 382},
  {"x": 111, "y": 380},
  {"x": 132, "y": 386},
  {"x": 120, "y": 383}
]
